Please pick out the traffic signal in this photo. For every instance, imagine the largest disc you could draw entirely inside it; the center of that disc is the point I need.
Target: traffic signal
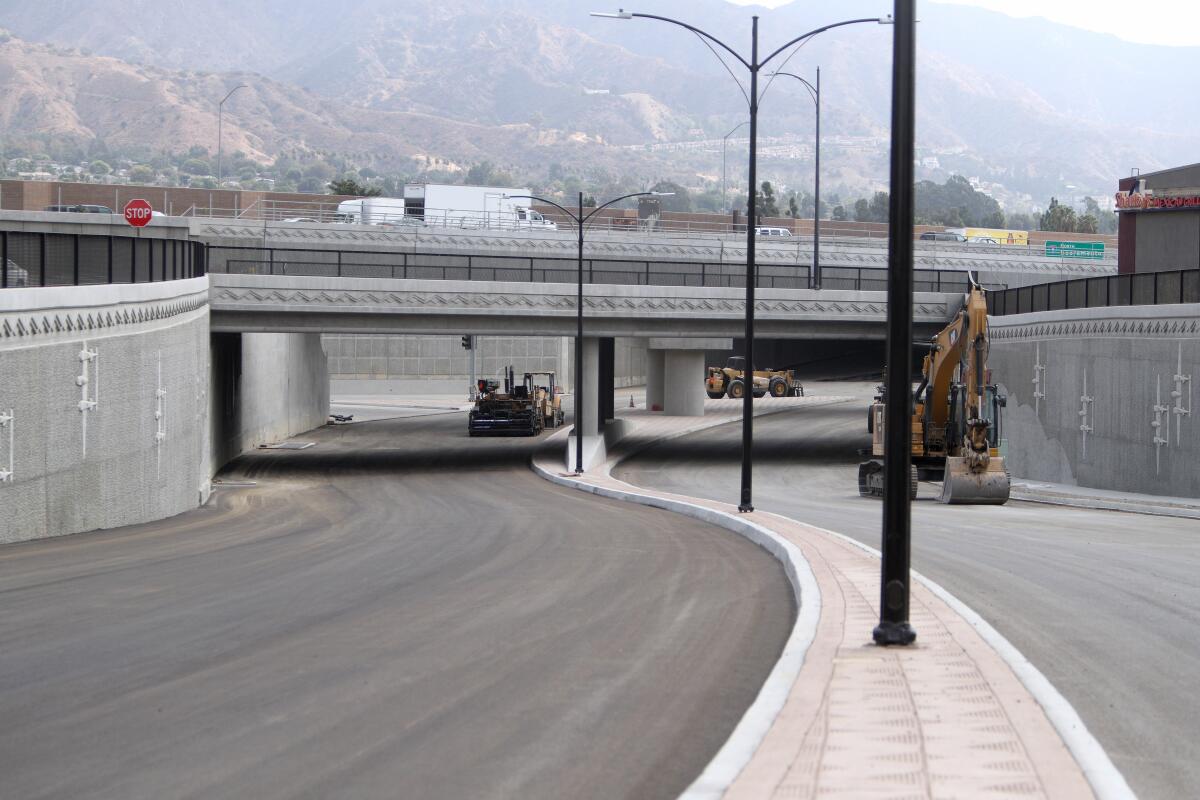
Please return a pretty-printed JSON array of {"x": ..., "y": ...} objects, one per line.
[{"x": 467, "y": 342}]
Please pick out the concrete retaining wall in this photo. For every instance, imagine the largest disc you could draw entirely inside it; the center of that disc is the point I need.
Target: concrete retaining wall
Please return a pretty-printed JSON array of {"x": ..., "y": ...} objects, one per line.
[
  {"x": 79, "y": 470},
  {"x": 1112, "y": 370},
  {"x": 400, "y": 360},
  {"x": 171, "y": 403}
]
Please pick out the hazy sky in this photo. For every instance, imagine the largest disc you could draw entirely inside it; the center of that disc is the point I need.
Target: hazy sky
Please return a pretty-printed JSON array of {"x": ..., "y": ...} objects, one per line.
[{"x": 1173, "y": 22}]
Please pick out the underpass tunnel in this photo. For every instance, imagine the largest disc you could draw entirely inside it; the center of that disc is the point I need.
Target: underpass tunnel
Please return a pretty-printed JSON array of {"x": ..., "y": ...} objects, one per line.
[
  {"x": 822, "y": 359},
  {"x": 264, "y": 387}
]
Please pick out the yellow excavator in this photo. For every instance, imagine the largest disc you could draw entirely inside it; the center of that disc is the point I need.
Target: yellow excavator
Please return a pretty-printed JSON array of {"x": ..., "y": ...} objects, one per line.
[{"x": 956, "y": 422}]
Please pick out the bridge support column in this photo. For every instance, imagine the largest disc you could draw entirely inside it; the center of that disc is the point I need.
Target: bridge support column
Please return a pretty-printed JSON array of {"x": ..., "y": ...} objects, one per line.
[
  {"x": 587, "y": 389},
  {"x": 607, "y": 380},
  {"x": 655, "y": 369},
  {"x": 681, "y": 384}
]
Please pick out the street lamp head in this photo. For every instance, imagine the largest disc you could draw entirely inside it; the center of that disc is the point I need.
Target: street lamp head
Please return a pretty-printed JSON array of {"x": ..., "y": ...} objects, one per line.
[
  {"x": 662, "y": 194},
  {"x": 886, "y": 20},
  {"x": 620, "y": 14}
]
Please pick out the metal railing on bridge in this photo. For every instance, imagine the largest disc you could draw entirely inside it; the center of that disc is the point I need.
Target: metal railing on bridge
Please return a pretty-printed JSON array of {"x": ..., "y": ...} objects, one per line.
[
  {"x": 320, "y": 214},
  {"x": 1137, "y": 289},
  {"x": 249, "y": 260},
  {"x": 75, "y": 259}
]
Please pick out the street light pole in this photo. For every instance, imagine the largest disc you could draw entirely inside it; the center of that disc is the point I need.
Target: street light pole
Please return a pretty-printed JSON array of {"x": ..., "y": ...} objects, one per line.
[
  {"x": 896, "y": 546},
  {"x": 580, "y": 223},
  {"x": 724, "y": 142},
  {"x": 220, "y": 121},
  {"x": 745, "y": 505},
  {"x": 752, "y": 66},
  {"x": 815, "y": 93}
]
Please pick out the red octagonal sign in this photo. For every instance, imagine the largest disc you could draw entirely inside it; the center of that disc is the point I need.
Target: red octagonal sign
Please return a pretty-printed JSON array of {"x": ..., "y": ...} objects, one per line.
[{"x": 138, "y": 213}]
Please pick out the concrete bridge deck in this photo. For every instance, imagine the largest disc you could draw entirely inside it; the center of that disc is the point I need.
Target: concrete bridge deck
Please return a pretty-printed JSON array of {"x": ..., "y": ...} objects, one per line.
[{"x": 296, "y": 304}]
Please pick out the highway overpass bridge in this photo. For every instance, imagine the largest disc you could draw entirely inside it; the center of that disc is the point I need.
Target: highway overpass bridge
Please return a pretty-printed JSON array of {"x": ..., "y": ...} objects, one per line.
[{"x": 186, "y": 359}]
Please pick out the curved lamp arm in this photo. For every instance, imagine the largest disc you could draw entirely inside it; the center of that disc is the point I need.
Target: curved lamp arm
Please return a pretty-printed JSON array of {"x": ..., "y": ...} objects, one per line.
[
  {"x": 574, "y": 216},
  {"x": 735, "y": 127},
  {"x": 812, "y": 90},
  {"x": 571, "y": 214},
  {"x": 623, "y": 14},
  {"x": 231, "y": 91},
  {"x": 810, "y": 34}
]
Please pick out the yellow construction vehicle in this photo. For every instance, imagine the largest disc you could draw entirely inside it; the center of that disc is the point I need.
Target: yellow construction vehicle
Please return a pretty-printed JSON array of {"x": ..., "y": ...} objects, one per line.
[
  {"x": 956, "y": 422},
  {"x": 730, "y": 381}
]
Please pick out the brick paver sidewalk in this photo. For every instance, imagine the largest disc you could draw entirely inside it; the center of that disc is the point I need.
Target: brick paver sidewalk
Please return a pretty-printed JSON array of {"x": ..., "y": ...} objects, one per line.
[{"x": 946, "y": 717}]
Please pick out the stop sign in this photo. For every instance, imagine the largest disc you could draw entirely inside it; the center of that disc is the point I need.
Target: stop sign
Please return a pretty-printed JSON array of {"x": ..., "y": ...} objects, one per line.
[{"x": 138, "y": 213}]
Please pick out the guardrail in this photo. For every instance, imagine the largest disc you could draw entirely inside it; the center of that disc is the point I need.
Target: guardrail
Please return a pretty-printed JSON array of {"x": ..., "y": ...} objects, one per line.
[
  {"x": 1137, "y": 289},
  {"x": 249, "y": 260},
  {"x": 76, "y": 259}
]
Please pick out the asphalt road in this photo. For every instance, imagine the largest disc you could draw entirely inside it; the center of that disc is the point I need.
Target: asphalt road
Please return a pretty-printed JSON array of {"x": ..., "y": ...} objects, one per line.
[
  {"x": 1105, "y": 604},
  {"x": 400, "y": 611}
]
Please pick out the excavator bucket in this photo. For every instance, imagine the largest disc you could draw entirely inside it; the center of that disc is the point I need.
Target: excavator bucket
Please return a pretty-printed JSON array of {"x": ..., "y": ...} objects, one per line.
[{"x": 962, "y": 486}]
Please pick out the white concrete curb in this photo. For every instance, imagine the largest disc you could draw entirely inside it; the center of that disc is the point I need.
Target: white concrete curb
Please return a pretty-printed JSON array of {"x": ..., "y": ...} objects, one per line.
[
  {"x": 1105, "y": 779},
  {"x": 738, "y": 749}
]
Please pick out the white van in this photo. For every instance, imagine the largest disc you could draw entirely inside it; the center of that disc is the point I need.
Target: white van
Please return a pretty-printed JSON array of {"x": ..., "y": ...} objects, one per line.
[{"x": 773, "y": 233}]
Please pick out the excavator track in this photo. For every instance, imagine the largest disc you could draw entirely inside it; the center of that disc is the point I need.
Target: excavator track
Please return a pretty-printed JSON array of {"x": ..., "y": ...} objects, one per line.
[{"x": 871, "y": 476}]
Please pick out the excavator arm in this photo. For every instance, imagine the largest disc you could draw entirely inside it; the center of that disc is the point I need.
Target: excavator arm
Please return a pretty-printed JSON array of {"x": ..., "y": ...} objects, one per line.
[{"x": 972, "y": 475}]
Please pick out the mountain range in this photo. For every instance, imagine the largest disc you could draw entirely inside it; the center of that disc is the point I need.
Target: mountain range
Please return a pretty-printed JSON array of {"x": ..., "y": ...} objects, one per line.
[{"x": 1027, "y": 105}]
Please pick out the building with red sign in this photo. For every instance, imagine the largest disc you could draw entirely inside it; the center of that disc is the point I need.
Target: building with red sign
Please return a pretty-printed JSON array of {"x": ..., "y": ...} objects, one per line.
[{"x": 1159, "y": 227}]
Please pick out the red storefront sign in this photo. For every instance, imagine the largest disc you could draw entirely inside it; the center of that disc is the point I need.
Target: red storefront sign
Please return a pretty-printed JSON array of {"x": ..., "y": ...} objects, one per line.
[{"x": 1148, "y": 201}]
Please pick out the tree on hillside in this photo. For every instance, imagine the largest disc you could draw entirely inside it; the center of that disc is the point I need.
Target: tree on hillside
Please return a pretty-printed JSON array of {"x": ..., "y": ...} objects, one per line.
[
  {"x": 873, "y": 210},
  {"x": 862, "y": 210},
  {"x": 839, "y": 213},
  {"x": 764, "y": 203},
  {"x": 99, "y": 168},
  {"x": 142, "y": 174},
  {"x": 955, "y": 203},
  {"x": 682, "y": 200},
  {"x": 353, "y": 187},
  {"x": 1058, "y": 218},
  {"x": 1087, "y": 224},
  {"x": 1106, "y": 221},
  {"x": 793, "y": 209},
  {"x": 1021, "y": 222},
  {"x": 485, "y": 174},
  {"x": 195, "y": 166}
]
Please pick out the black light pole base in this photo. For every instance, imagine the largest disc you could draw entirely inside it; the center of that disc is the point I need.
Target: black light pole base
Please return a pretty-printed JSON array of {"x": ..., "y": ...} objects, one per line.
[
  {"x": 745, "y": 508},
  {"x": 889, "y": 633}
]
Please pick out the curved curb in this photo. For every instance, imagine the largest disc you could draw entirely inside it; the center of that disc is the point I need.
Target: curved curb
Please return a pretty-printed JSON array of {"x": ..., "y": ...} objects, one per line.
[
  {"x": 755, "y": 723},
  {"x": 1102, "y": 775}
]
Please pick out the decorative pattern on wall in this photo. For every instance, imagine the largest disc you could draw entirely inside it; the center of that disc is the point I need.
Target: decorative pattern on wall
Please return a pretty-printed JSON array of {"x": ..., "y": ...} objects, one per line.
[
  {"x": 401, "y": 302},
  {"x": 1168, "y": 328},
  {"x": 38, "y": 323}
]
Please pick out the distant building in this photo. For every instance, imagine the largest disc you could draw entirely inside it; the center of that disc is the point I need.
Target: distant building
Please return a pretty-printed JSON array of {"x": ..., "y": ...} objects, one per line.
[{"x": 1159, "y": 225}]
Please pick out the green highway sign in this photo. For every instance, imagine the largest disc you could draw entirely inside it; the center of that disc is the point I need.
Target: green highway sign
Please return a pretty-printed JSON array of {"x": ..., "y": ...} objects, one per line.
[{"x": 1075, "y": 249}]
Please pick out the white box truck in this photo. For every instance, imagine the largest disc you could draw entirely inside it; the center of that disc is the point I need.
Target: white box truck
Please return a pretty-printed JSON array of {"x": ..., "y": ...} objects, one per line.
[
  {"x": 374, "y": 211},
  {"x": 473, "y": 207}
]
